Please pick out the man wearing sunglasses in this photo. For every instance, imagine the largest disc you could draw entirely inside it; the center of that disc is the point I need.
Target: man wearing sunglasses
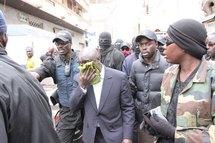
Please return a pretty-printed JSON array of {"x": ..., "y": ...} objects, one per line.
[
  {"x": 161, "y": 43},
  {"x": 145, "y": 78},
  {"x": 62, "y": 69}
]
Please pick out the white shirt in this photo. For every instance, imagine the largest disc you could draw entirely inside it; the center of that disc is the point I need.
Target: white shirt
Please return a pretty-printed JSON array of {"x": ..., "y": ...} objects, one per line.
[{"x": 98, "y": 87}]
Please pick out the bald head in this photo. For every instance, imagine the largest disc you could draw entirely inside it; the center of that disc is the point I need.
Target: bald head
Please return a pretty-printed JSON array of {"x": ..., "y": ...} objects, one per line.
[
  {"x": 210, "y": 38},
  {"x": 51, "y": 50},
  {"x": 210, "y": 42},
  {"x": 29, "y": 48},
  {"x": 89, "y": 54},
  {"x": 29, "y": 51}
]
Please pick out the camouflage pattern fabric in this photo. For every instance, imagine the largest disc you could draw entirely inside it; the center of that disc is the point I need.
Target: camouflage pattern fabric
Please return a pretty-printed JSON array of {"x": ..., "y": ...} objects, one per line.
[{"x": 196, "y": 104}]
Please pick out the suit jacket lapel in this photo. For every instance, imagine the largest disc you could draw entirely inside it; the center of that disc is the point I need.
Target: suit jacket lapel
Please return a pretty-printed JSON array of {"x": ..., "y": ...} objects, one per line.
[
  {"x": 107, "y": 83},
  {"x": 92, "y": 97}
]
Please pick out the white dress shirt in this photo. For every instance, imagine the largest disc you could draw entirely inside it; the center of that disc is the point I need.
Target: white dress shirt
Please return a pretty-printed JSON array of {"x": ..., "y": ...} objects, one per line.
[{"x": 98, "y": 87}]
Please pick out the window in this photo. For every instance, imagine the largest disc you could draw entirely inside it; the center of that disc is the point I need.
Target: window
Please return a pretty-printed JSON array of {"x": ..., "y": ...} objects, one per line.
[{"x": 69, "y": 4}]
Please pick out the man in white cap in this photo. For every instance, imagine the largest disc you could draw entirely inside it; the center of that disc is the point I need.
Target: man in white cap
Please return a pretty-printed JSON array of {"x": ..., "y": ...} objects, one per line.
[{"x": 25, "y": 114}]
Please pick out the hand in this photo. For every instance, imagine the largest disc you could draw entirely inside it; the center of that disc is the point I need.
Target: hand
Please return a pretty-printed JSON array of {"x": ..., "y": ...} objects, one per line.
[
  {"x": 35, "y": 75},
  {"x": 146, "y": 125},
  {"x": 161, "y": 126},
  {"x": 87, "y": 77},
  {"x": 127, "y": 141}
]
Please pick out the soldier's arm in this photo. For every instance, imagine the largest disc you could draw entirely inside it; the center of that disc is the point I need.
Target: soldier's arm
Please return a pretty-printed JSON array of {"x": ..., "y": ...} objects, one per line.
[{"x": 200, "y": 135}]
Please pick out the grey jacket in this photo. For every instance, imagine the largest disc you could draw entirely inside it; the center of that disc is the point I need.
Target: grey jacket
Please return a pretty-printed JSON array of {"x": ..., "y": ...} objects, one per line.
[{"x": 25, "y": 113}]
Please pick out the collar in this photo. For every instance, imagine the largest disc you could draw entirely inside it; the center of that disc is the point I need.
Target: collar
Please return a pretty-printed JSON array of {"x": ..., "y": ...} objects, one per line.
[
  {"x": 60, "y": 60},
  {"x": 156, "y": 58},
  {"x": 102, "y": 73},
  {"x": 201, "y": 73}
]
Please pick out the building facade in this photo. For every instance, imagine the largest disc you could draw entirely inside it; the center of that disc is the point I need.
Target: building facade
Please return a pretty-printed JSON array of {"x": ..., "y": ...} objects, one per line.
[
  {"x": 50, "y": 15},
  {"x": 208, "y": 6}
]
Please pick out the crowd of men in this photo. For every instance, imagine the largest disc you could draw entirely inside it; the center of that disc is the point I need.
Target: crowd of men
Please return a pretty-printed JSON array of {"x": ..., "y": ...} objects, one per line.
[{"x": 152, "y": 91}]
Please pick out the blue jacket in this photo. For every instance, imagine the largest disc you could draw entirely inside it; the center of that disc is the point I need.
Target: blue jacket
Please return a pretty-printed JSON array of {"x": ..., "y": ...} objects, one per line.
[
  {"x": 55, "y": 67},
  {"x": 126, "y": 66}
]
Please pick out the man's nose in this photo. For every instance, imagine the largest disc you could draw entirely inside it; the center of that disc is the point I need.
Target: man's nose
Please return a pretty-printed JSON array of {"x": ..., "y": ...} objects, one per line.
[
  {"x": 60, "y": 46},
  {"x": 144, "y": 46}
]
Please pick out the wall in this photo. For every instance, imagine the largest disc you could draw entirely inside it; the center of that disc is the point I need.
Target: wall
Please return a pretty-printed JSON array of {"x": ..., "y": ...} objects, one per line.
[{"x": 13, "y": 17}]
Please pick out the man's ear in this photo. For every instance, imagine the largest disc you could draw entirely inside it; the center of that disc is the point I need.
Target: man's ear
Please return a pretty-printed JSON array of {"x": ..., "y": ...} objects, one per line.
[
  {"x": 156, "y": 42},
  {"x": 70, "y": 44},
  {"x": 5, "y": 37},
  {"x": 1, "y": 37}
]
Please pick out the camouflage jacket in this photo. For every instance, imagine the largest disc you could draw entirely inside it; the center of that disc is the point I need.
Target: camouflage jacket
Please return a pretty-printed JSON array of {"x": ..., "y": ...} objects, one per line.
[{"x": 196, "y": 104}]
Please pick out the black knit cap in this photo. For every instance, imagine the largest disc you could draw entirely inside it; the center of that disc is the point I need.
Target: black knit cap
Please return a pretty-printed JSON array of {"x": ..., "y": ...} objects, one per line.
[
  {"x": 105, "y": 40},
  {"x": 190, "y": 35}
]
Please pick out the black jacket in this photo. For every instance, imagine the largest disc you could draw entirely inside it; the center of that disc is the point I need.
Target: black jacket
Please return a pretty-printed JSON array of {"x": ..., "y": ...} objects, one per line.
[
  {"x": 112, "y": 58},
  {"x": 145, "y": 81},
  {"x": 25, "y": 114}
]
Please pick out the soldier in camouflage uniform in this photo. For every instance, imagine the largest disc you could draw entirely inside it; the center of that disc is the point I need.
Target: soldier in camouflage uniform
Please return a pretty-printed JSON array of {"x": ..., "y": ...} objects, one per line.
[{"x": 188, "y": 88}]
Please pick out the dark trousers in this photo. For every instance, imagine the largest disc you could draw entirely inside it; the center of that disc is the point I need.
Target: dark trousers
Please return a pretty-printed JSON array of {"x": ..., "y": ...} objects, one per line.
[
  {"x": 140, "y": 136},
  {"x": 144, "y": 137},
  {"x": 67, "y": 125},
  {"x": 99, "y": 138}
]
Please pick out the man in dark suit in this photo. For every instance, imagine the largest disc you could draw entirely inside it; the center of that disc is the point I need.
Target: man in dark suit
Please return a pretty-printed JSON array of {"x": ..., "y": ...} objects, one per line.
[{"x": 108, "y": 105}]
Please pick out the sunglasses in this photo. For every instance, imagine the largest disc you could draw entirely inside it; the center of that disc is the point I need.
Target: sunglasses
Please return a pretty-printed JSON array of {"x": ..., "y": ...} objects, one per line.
[
  {"x": 58, "y": 43},
  {"x": 169, "y": 41},
  {"x": 125, "y": 48},
  {"x": 161, "y": 49}
]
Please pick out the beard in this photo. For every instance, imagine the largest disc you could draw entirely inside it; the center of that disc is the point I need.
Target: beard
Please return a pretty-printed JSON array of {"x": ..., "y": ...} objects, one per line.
[
  {"x": 3, "y": 44},
  {"x": 3, "y": 41}
]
